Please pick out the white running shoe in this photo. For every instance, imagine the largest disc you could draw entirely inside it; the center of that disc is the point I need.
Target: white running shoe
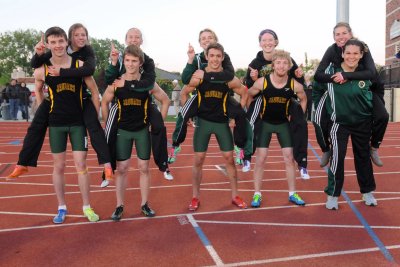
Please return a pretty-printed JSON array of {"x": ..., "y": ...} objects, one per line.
[
  {"x": 168, "y": 176},
  {"x": 104, "y": 183},
  {"x": 304, "y": 173}
]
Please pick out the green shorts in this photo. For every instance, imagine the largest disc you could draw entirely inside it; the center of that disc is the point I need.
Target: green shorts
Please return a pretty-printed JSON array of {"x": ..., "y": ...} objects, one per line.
[
  {"x": 203, "y": 131},
  {"x": 58, "y": 136},
  {"x": 125, "y": 144},
  {"x": 282, "y": 131}
]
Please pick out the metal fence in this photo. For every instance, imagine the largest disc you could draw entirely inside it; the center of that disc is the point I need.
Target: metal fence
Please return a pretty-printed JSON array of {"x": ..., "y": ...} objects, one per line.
[{"x": 390, "y": 75}]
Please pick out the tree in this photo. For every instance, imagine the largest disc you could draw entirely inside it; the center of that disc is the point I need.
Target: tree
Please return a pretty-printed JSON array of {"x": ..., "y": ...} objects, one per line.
[
  {"x": 240, "y": 73},
  {"x": 16, "y": 51}
]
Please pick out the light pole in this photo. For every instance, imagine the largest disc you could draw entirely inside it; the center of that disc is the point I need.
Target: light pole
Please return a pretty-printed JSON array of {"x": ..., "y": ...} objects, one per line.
[{"x": 342, "y": 11}]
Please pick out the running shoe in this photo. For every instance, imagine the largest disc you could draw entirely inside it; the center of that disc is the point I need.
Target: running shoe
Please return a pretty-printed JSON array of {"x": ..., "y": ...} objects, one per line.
[
  {"x": 194, "y": 205},
  {"x": 375, "y": 157},
  {"x": 104, "y": 183},
  {"x": 117, "y": 215},
  {"x": 296, "y": 199},
  {"x": 238, "y": 158},
  {"x": 256, "y": 201},
  {"x": 147, "y": 211},
  {"x": 90, "y": 215},
  {"x": 18, "y": 170},
  {"x": 60, "y": 217},
  {"x": 168, "y": 176},
  {"x": 173, "y": 153},
  {"x": 369, "y": 199},
  {"x": 238, "y": 201},
  {"x": 332, "y": 203},
  {"x": 304, "y": 173},
  {"x": 246, "y": 166}
]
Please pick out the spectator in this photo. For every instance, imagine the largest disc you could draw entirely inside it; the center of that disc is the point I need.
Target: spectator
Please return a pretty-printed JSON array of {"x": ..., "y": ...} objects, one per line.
[
  {"x": 24, "y": 101},
  {"x": 175, "y": 97},
  {"x": 12, "y": 93}
]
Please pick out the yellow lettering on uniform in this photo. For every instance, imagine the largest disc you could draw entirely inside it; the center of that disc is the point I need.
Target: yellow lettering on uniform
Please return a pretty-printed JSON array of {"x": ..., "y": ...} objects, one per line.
[
  {"x": 65, "y": 87},
  {"x": 215, "y": 94},
  {"x": 277, "y": 100},
  {"x": 132, "y": 102}
]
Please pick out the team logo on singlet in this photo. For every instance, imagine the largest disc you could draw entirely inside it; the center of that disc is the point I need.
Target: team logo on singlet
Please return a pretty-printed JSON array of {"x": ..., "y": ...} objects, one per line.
[{"x": 361, "y": 84}]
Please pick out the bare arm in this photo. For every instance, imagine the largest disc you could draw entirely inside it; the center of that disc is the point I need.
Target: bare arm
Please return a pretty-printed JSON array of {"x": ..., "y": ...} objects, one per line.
[
  {"x": 39, "y": 82},
  {"x": 161, "y": 96},
  {"x": 94, "y": 90},
  {"x": 186, "y": 90},
  {"x": 301, "y": 95},
  {"x": 105, "y": 101},
  {"x": 255, "y": 89},
  {"x": 239, "y": 89}
]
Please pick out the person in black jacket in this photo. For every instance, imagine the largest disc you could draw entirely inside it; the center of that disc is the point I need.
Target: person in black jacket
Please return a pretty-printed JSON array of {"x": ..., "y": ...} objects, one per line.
[
  {"x": 342, "y": 32},
  {"x": 262, "y": 66},
  {"x": 78, "y": 48},
  {"x": 12, "y": 92},
  {"x": 158, "y": 130},
  {"x": 24, "y": 100},
  {"x": 189, "y": 109}
]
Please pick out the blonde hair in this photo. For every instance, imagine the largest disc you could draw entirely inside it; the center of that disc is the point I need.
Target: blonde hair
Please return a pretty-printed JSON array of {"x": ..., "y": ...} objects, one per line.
[
  {"x": 278, "y": 53},
  {"x": 210, "y": 31}
]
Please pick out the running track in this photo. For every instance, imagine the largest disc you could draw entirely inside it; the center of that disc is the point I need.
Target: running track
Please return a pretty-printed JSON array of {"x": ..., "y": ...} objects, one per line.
[{"x": 277, "y": 234}]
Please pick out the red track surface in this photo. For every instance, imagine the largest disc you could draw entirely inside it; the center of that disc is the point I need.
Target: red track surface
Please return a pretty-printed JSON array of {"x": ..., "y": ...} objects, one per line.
[{"x": 277, "y": 234}]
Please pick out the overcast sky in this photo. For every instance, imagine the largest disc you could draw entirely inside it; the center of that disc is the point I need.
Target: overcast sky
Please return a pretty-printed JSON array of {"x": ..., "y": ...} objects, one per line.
[{"x": 168, "y": 26}]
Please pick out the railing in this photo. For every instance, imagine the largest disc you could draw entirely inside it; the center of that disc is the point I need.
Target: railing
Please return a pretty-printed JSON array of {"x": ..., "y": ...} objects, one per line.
[{"x": 391, "y": 75}]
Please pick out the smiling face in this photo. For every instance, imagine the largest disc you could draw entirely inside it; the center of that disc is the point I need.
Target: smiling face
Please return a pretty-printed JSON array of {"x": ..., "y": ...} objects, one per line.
[
  {"x": 351, "y": 56},
  {"x": 215, "y": 58},
  {"x": 341, "y": 35},
  {"x": 57, "y": 44},
  {"x": 268, "y": 43},
  {"x": 132, "y": 64},
  {"x": 206, "y": 38},
  {"x": 134, "y": 37},
  {"x": 79, "y": 38}
]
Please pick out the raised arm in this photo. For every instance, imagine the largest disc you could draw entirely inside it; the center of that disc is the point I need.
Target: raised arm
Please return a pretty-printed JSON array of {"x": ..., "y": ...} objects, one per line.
[{"x": 163, "y": 98}]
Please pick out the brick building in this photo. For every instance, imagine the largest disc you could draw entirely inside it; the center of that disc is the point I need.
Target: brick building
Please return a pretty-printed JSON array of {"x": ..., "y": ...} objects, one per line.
[{"x": 392, "y": 32}]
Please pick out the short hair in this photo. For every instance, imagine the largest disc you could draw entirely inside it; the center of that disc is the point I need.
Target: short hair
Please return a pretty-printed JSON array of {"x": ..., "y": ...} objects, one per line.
[
  {"x": 56, "y": 31},
  {"x": 217, "y": 46},
  {"x": 210, "y": 31},
  {"x": 282, "y": 54},
  {"x": 73, "y": 28},
  {"x": 343, "y": 24},
  {"x": 135, "y": 51},
  {"x": 267, "y": 31}
]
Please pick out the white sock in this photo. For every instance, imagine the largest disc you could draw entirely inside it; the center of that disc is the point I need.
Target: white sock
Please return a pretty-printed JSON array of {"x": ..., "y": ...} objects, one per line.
[
  {"x": 85, "y": 207},
  {"x": 291, "y": 193},
  {"x": 62, "y": 207},
  {"x": 257, "y": 193}
]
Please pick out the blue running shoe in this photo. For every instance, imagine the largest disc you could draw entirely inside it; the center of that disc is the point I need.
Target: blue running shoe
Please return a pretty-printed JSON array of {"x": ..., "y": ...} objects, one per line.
[
  {"x": 256, "y": 201},
  {"x": 296, "y": 199},
  {"x": 60, "y": 217}
]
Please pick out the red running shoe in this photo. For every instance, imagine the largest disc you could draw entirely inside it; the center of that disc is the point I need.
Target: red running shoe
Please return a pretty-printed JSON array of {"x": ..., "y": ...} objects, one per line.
[
  {"x": 19, "y": 170},
  {"x": 238, "y": 201},
  {"x": 194, "y": 205}
]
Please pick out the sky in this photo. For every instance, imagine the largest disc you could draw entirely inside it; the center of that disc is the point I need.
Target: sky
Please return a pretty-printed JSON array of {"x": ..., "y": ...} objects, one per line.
[{"x": 169, "y": 26}]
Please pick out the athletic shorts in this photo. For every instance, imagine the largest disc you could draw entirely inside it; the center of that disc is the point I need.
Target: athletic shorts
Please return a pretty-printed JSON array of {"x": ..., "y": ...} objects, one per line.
[
  {"x": 58, "y": 136},
  {"x": 203, "y": 131},
  {"x": 125, "y": 144},
  {"x": 282, "y": 132}
]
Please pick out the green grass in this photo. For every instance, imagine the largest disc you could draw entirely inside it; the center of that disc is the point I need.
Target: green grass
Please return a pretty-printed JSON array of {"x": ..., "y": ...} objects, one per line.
[{"x": 170, "y": 118}]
